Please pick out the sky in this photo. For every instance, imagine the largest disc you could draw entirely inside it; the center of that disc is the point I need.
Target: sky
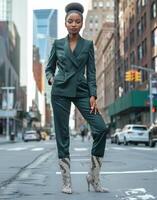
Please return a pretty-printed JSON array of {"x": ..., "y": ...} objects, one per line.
[{"x": 60, "y": 6}]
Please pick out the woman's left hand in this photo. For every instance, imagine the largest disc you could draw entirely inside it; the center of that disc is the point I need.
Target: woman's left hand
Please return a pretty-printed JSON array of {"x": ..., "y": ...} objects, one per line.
[{"x": 93, "y": 105}]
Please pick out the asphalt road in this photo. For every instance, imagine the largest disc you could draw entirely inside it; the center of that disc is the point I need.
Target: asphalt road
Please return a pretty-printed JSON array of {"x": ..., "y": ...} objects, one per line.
[{"x": 29, "y": 171}]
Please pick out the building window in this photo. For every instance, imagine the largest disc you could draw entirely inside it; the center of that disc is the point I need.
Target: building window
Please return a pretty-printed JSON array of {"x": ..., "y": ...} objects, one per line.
[
  {"x": 143, "y": 22},
  {"x": 131, "y": 19},
  {"x": 154, "y": 63},
  {"x": 91, "y": 19},
  {"x": 126, "y": 64},
  {"x": 96, "y": 26},
  {"x": 132, "y": 58},
  {"x": 126, "y": 44},
  {"x": 154, "y": 10},
  {"x": 107, "y": 4},
  {"x": 154, "y": 37},
  {"x": 139, "y": 51},
  {"x": 95, "y": 4},
  {"x": 138, "y": 6},
  {"x": 139, "y": 28},
  {"x": 143, "y": 2},
  {"x": 144, "y": 75},
  {"x": 90, "y": 26},
  {"x": 144, "y": 47},
  {"x": 100, "y": 4},
  {"x": 132, "y": 38},
  {"x": 96, "y": 19}
]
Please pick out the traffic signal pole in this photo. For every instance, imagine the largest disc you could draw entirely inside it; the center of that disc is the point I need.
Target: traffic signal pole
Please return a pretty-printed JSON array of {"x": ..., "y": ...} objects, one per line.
[{"x": 150, "y": 71}]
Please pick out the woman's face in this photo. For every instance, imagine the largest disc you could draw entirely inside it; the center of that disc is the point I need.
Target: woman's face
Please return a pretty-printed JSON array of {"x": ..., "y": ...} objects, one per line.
[{"x": 73, "y": 23}]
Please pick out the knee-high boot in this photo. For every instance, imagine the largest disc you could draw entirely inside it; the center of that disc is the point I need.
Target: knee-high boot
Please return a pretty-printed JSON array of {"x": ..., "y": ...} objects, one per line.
[
  {"x": 93, "y": 176},
  {"x": 64, "y": 164}
]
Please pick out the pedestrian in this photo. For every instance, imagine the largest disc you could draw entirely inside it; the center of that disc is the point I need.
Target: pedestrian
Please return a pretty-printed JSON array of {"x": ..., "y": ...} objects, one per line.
[
  {"x": 73, "y": 56},
  {"x": 83, "y": 132}
]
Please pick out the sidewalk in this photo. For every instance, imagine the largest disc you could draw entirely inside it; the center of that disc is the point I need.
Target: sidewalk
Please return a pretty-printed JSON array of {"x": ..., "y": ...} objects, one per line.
[{"x": 3, "y": 140}]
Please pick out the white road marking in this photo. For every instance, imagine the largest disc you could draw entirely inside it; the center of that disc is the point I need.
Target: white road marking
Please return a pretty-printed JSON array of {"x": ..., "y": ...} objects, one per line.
[
  {"x": 124, "y": 172},
  {"x": 119, "y": 148},
  {"x": 17, "y": 149},
  {"x": 135, "y": 191},
  {"x": 137, "y": 194},
  {"x": 80, "y": 149},
  {"x": 146, "y": 197},
  {"x": 78, "y": 160},
  {"x": 37, "y": 149},
  {"x": 143, "y": 149}
]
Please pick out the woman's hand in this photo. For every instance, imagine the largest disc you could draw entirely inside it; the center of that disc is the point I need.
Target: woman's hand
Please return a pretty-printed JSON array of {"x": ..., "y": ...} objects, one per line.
[
  {"x": 50, "y": 81},
  {"x": 93, "y": 105}
]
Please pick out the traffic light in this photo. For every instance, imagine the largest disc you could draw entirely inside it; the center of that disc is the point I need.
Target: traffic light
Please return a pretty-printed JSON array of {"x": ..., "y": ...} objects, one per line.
[
  {"x": 138, "y": 76},
  {"x": 154, "y": 109},
  {"x": 133, "y": 75},
  {"x": 128, "y": 76}
]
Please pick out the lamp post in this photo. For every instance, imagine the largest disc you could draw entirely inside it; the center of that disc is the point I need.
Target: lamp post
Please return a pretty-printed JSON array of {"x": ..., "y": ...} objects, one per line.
[
  {"x": 7, "y": 110},
  {"x": 150, "y": 71}
]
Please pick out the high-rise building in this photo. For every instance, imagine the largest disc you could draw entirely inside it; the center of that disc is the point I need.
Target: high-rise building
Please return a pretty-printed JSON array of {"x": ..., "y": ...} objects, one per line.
[
  {"x": 9, "y": 75},
  {"x": 102, "y": 10},
  {"x": 5, "y": 10},
  {"x": 44, "y": 33},
  {"x": 45, "y": 26},
  {"x": 105, "y": 68},
  {"x": 135, "y": 43},
  {"x": 23, "y": 21}
]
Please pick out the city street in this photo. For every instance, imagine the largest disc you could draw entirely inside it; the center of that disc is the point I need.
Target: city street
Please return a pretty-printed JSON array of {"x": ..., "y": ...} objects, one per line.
[{"x": 30, "y": 171}]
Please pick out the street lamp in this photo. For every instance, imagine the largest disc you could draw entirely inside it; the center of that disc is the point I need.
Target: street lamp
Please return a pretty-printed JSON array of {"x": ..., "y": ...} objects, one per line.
[{"x": 150, "y": 71}]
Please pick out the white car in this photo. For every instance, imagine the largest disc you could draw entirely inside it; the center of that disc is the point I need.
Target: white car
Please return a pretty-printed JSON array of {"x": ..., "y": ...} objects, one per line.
[
  {"x": 134, "y": 133},
  {"x": 120, "y": 137},
  {"x": 114, "y": 136},
  {"x": 31, "y": 135}
]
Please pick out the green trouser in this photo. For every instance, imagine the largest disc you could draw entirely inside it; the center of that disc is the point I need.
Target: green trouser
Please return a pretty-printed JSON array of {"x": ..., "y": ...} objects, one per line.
[{"x": 61, "y": 110}]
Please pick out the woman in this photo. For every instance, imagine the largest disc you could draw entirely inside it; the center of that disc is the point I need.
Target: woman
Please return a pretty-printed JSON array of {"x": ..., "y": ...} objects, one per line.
[{"x": 74, "y": 55}]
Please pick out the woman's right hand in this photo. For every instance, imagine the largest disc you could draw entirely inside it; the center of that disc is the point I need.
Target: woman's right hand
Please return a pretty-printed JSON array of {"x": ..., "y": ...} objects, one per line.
[{"x": 51, "y": 80}]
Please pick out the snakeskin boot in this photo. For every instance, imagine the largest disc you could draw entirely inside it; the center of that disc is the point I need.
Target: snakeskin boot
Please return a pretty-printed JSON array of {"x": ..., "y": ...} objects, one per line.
[
  {"x": 64, "y": 164},
  {"x": 93, "y": 176}
]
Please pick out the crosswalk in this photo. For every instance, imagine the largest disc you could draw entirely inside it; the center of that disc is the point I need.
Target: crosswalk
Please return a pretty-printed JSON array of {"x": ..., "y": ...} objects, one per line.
[{"x": 35, "y": 148}]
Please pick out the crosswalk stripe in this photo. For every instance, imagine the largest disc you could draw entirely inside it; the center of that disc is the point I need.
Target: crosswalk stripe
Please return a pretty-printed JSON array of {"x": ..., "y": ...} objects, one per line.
[
  {"x": 37, "y": 149},
  {"x": 117, "y": 172},
  {"x": 80, "y": 149},
  {"x": 17, "y": 149}
]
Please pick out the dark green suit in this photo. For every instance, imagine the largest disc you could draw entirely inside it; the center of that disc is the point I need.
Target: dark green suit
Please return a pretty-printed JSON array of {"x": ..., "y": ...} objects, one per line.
[{"x": 74, "y": 81}]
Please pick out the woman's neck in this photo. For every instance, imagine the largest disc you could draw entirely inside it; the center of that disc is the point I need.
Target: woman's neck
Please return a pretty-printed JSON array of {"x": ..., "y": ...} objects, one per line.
[{"x": 73, "y": 37}]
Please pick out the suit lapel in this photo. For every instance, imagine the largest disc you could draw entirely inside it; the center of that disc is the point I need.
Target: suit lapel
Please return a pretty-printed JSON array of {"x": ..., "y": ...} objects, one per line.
[
  {"x": 73, "y": 55},
  {"x": 79, "y": 47}
]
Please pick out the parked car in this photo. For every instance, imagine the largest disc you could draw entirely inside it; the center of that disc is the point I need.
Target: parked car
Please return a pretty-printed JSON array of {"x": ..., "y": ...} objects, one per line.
[
  {"x": 31, "y": 135},
  {"x": 119, "y": 138},
  {"x": 134, "y": 133},
  {"x": 114, "y": 135},
  {"x": 153, "y": 135}
]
